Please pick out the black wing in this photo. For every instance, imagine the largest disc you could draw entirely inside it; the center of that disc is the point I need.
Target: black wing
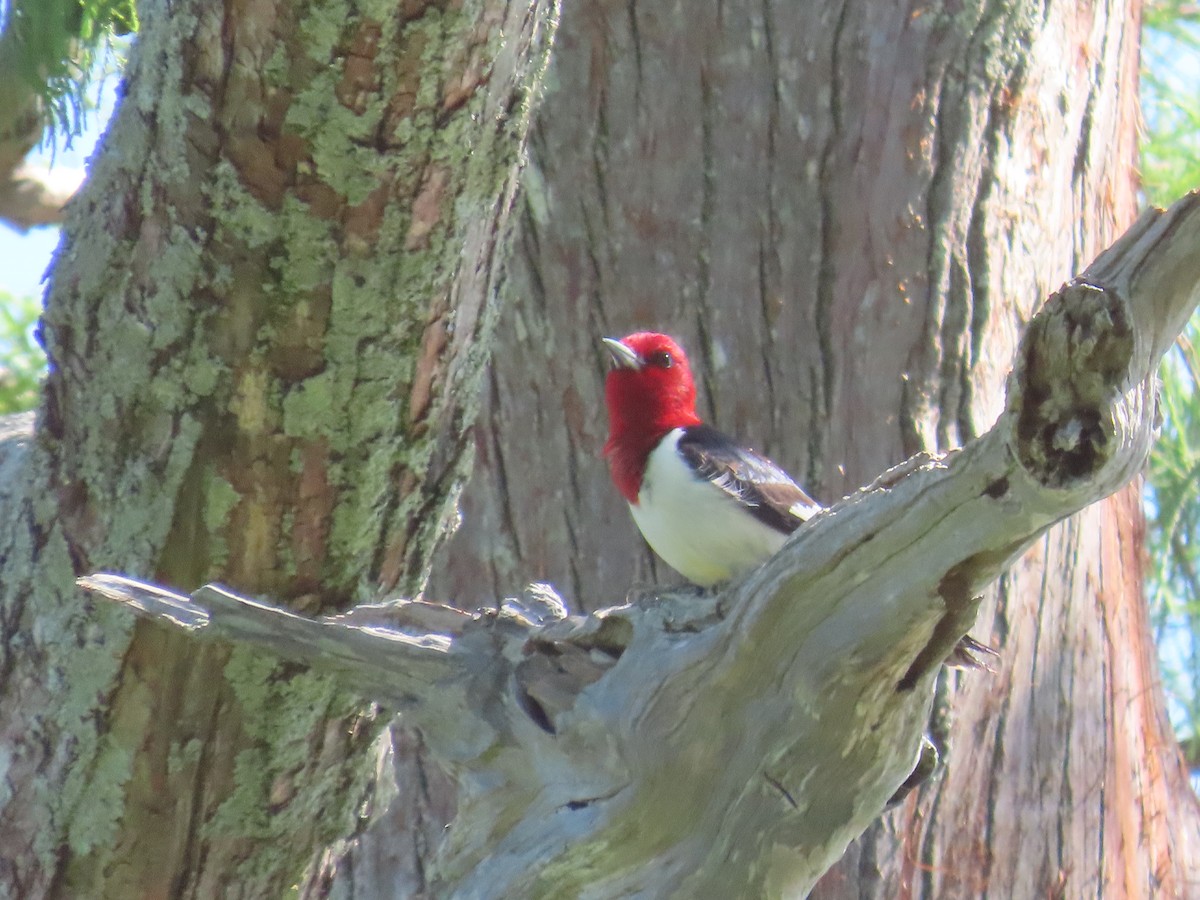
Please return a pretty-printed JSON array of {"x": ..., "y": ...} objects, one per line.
[{"x": 768, "y": 492}]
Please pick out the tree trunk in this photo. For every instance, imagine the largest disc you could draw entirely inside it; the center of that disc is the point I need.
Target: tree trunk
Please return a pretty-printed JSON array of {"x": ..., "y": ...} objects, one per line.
[
  {"x": 846, "y": 213},
  {"x": 794, "y": 700},
  {"x": 266, "y": 325}
]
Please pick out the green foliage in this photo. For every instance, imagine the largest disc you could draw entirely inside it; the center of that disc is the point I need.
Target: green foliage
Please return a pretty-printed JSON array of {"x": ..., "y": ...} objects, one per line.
[
  {"x": 1170, "y": 99},
  {"x": 1172, "y": 540},
  {"x": 21, "y": 359},
  {"x": 1171, "y": 168},
  {"x": 53, "y": 48}
]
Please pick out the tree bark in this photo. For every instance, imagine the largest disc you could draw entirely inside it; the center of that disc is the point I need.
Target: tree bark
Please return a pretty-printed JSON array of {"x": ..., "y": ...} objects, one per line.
[
  {"x": 266, "y": 325},
  {"x": 847, "y": 213},
  {"x": 795, "y": 701}
]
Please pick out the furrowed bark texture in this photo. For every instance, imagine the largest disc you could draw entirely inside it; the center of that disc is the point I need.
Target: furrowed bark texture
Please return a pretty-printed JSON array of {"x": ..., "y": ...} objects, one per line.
[
  {"x": 266, "y": 325},
  {"x": 794, "y": 701},
  {"x": 847, "y": 212}
]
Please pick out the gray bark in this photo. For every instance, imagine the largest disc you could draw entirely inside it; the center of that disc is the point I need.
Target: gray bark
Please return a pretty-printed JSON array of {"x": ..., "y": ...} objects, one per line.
[
  {"x": 733, "y": 745},
  {"x": 266, "y": 326},
  {"x": 851, "y": 209},
  {"x": 847, "y": 212}
]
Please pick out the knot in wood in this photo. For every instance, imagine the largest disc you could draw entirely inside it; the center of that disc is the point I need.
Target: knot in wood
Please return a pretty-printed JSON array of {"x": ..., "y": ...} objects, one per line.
[{"x": 1072, "y": 368}]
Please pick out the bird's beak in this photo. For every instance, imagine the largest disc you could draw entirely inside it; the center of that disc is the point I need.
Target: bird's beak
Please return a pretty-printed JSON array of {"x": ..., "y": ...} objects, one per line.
[{"x": 622, "y": 356}]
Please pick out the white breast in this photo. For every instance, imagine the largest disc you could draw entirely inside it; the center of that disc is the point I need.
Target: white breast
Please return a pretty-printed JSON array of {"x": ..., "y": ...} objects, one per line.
[{"x": 698, "y": 529}]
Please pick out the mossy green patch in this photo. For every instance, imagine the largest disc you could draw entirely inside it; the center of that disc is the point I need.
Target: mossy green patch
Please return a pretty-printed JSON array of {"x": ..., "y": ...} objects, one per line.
[
  {"x": 220, "y": 497},
  {"x": 240, "y": 216},
  {"x": 279, "y": 789},
  {"x": 94, "y": 820},
  {"x": 311, "y": 252},
  {"x": 310, "y": 410}
]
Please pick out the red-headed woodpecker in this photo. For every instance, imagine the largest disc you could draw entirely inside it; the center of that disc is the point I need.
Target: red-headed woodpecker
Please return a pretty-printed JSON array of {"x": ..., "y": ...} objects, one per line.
[{"x": 710, "y": 508}]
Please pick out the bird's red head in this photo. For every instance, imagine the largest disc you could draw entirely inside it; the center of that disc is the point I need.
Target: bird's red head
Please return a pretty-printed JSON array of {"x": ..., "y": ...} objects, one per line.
[{"x": 649, "y": 392}]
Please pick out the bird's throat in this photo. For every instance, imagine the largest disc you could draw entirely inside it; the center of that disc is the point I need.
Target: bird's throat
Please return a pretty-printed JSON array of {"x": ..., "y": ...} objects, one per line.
[{"x": 627, "y": 453}]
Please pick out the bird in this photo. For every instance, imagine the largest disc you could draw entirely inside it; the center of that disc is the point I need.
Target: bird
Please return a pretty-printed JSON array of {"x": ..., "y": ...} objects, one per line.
[{"x": 709, "y": 507}]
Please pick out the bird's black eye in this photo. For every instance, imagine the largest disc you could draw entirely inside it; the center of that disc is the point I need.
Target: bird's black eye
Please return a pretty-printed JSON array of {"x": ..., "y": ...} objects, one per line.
[{"x": 660, "y": 358}]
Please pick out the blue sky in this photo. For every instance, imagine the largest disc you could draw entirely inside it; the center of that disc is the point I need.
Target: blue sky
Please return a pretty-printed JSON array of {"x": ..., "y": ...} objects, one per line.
[{"x": 24, "y": 258}]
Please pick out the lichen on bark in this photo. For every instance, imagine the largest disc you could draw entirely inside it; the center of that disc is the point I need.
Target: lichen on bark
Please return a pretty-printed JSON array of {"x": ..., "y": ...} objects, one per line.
[{"x": 240, "y": 311}]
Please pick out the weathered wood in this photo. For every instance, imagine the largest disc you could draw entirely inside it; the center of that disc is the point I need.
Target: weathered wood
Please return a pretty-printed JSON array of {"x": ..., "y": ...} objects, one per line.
[
  {"x": 796, "y": 699},
  {"x": 846, "y": 212}
]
